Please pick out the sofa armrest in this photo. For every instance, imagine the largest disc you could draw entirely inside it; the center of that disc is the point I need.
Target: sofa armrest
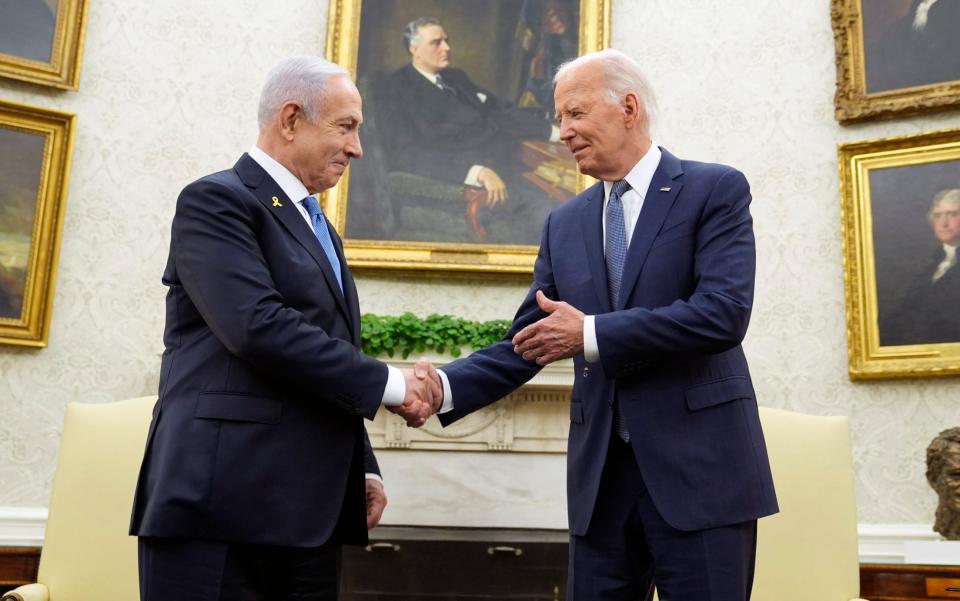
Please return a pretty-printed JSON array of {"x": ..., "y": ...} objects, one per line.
[{"x": 28, "y": 592}]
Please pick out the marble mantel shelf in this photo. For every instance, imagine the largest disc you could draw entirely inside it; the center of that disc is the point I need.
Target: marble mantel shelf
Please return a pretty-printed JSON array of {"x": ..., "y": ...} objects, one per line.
[{"x": 534, "y": 419}]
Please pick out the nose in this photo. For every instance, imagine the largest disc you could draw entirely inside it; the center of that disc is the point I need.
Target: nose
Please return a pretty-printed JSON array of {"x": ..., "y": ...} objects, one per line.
[
  {"x": 353, "y": 148},
  {"x": 566, "y": 129},
  {"x": 445, "y": 46}
]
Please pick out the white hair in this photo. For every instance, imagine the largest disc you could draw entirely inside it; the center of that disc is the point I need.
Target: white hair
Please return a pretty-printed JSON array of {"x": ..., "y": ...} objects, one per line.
[
  {"x": 950, "y": 196},
  {"x": 621, "y": 75},
  {"x": 300, "y": 79}
]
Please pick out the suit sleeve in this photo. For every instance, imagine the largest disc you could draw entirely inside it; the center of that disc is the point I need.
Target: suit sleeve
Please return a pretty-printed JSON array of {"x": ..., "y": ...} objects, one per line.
[
  {"x": 221, "y": 266},
  {"x": 715, "y": 316},
  {"x": 494, "y": 372}
]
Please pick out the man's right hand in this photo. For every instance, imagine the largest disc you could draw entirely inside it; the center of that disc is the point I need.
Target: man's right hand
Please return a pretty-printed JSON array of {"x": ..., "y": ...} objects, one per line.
[
  {"x": 491, "y": 182},
  {"x": 424, "y": 395}
]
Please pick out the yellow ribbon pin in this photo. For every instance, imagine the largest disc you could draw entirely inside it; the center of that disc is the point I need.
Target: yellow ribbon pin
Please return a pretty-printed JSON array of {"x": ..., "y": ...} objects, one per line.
[{"x": 276, "y": 202}]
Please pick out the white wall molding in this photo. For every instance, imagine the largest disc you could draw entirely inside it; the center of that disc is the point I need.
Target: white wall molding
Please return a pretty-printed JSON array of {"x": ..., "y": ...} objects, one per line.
[
  {"x": 879, "y": 543},
  {"x": 22, "y": 526},
  {"x": 883, "y": 543}
]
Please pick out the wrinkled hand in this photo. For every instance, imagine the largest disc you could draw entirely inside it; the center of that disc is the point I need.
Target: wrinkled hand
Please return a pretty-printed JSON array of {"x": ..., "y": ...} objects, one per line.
[
  {"x": 557, "y": 336},
  {"x": 491, "y": 182},
  {"x": 376, "y": 502},
  {"x": 424, "y": 394}
]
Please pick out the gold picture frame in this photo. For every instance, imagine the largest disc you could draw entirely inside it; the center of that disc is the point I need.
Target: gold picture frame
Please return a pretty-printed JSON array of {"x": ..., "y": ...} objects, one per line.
[
  {"x": 901, "y": 314},
  {"x": 44, "y": 42},
  {"x": 346, "y": 38},
  {"x": 894, "y": 59},
  {"x": 35, "y": 152}
]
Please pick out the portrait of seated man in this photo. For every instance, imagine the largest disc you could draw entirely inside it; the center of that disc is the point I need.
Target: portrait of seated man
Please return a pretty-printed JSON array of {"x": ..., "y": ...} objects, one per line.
[
  {"x": 927, "y": 313},
  {"x": 440, "y": 130},
  {"x": 911, "y": 43},
  {"x": 943, "y": 474}
]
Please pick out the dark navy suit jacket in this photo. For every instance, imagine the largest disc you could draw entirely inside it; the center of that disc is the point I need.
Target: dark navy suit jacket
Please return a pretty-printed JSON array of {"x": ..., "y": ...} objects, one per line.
[
  {"x": 670, "y": 349},
  {"x": 257, "y": 436}
]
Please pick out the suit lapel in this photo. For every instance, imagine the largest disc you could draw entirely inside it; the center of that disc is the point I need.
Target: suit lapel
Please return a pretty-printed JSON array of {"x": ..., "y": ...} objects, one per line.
[
  {"x": 349, "y": 288},
  {"x": 269, "y": 193},
  {"x": 591, "y": 220},
  {"x": 663, "y": 191}
]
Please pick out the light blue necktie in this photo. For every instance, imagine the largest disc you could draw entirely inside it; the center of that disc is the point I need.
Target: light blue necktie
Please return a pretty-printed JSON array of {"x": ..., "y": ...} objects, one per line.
[
  {"x": 323, "y": 235},
  {"x": 616, "y": 255}
]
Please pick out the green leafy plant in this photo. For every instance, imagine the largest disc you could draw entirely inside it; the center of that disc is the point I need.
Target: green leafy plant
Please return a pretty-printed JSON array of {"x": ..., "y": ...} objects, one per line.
[{"x": 408, "y": 333}]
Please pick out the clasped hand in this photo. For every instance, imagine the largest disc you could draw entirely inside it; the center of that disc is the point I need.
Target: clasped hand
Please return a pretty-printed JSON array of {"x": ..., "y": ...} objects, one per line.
[{"x": 424, "y": 395}]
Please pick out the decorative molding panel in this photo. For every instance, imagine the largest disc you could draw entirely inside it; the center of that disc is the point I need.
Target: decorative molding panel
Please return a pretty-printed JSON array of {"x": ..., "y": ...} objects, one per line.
[
  {"x": 534, "y": 419},
  {"x": 22, "y": 526}
]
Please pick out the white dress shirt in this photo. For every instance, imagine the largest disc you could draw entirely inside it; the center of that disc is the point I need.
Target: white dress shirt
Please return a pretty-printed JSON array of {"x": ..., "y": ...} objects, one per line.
[
  {"x": 639, "y": 179},
  {"x": 948, "y": 262}
]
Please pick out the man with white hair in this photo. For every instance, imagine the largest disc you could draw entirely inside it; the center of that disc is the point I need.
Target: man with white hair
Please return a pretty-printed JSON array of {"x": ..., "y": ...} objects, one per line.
[
  {"x": 258, "y": 466},
  {"x": 646, "y": 280}
]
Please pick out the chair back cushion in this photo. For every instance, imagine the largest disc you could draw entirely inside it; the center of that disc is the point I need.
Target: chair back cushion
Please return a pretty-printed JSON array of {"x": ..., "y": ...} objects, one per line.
[
  {"x": 87, "y": 553},
  {"x": 808, "y": 551}
]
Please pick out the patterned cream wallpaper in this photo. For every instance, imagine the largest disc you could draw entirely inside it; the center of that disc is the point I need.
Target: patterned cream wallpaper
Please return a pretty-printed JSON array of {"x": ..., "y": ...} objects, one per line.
[{"x": 168, "y": 93}]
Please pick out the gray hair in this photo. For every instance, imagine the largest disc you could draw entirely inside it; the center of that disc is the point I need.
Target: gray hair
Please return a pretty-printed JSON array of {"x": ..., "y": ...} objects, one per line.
[
  {"x": 300, "y": 79},
  {"x": 621, "y": 74},
  {"x": 411, "y": 33},
  {"x": 950, "y": 196}
]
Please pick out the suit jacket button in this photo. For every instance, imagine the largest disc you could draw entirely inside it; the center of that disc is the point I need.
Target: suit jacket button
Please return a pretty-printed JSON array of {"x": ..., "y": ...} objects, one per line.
[{"x": 586, "y": 372}]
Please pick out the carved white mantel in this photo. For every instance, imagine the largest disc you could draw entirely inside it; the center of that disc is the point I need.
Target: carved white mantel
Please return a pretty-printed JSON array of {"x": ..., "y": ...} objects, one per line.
[{"x": 534, "y": 419}]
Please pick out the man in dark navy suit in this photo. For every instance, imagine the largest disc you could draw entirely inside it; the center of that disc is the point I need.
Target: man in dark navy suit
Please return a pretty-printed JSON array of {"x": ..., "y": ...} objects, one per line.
[
  {"x": 645, "y": 279},
  {"x": 438, "y": 123},
  {"x": 258, "y": 466}
]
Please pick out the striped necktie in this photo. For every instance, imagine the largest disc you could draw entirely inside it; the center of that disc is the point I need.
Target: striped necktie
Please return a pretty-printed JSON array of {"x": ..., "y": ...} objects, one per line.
[
  {"x": 615, "y": 247},
  {"x": 615, "y": 250},
  {"x": 323, "y": 235}
]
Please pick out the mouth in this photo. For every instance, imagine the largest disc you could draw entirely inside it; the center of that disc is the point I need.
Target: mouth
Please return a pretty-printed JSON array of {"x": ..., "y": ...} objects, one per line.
[{"x": 579, "y": 151}]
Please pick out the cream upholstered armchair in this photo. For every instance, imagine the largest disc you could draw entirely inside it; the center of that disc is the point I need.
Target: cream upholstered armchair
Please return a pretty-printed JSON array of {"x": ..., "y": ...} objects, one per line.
[
  {"x": 808, "y": 551},
  {"x": 87, "y": 554}
]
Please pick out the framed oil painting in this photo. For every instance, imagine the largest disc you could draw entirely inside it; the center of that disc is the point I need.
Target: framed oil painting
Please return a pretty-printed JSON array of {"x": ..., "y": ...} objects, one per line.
[
  {"x": 901, "y": 228},
  {"x": 461, "y": 161},
  {"x": 35, "y": 147},
  {"x": 41, "y": 41},
  {"x": 896, "y": 57}
]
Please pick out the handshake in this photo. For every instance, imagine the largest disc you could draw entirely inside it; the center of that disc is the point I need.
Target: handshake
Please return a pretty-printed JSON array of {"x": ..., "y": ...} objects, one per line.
[{"x": 424, "y": 394}]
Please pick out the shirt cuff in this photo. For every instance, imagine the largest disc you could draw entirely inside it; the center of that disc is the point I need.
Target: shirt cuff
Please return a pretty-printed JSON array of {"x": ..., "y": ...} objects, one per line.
[
  {"x": 447, "y": 394},
  {"x": 473, "y": 176},
  {"x": 554, "y": 133},
  {"x": 372, "y": 476},
  {"x": 590, "y": 351},
  {"x": 396, "y": 388}
]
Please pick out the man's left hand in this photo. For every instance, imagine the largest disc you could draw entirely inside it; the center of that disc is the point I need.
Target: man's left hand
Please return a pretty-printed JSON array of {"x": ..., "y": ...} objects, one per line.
[
  {"x": 376, "y": 502},
  {"x": 557, "y": 336}
]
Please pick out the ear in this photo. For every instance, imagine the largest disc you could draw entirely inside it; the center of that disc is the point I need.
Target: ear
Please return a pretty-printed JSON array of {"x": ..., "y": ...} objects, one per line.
[
  {"x": 289, "y": 116},
  {"x": 633, "y": 111}
]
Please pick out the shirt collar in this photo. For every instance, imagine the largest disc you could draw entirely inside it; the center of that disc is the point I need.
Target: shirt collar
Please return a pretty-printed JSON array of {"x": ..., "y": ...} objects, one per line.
[
  {"x": 951, "y": 251},
  {"x": 288, "y": 182},
  {"x": 641, "y": 175},
  {"x": 431, "y": 77}
]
